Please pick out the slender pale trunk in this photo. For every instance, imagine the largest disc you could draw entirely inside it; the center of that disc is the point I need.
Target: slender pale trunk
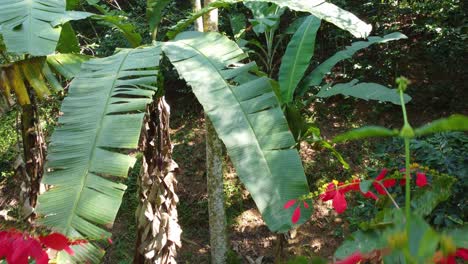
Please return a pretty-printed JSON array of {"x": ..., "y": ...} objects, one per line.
[
  {"x": 158, "y": 231},
  {"x": 199, "y": 22},
  {"x": 214, "y": 173}
]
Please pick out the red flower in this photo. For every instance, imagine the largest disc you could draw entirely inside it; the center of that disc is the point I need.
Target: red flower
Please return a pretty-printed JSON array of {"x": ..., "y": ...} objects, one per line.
[
  {"x": 370, "y": 194},
  {"x": 296, "y": 215},
  {"x": 387, "y": 183},
  {"x": 329, "y": 192},
  {"x": 352, "y": 259},
  {"x": 403, "y": 181},
  {"x": 57, "y": 241},
  {"x": 421, "y": 179},
  {"x": 462, "y": 253},
  {"x": 297, "y": 212},
  {"x": 339, "y": 202},
  {"x": 451, "y": 259},
  {"x": 17, "y": 248},
  {"x": 336, "y": 194},
  {"x": 289, "y": 203},
  {"x": 353, "y": 186}
]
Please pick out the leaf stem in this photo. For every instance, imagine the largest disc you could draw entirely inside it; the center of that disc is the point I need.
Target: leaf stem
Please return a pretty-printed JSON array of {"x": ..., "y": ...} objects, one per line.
[
  {"x": 407, "y": 182},
  {"x": 388, "y": 194}
]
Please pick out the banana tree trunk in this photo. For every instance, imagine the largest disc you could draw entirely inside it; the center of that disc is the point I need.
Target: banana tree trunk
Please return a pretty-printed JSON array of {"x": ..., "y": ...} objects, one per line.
[
  {"x": 30, "y": 169},
  {"x": 214, "y": 173},
  {"x": 158, "y": 231}
]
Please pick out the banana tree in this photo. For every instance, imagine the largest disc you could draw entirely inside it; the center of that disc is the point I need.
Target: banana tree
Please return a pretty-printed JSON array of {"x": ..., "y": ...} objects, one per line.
[
  {"x": 102, "y": 122},
  {"x": 30, "y": 34}
]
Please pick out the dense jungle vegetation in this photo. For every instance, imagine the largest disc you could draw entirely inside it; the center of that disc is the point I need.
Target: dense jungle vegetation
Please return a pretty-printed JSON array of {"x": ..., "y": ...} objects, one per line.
[{"x": 233, "y": 131}]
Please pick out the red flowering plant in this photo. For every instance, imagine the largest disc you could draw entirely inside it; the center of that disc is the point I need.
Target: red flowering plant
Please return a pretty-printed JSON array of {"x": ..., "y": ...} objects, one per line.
[
  {"x": 19, "y": 247},
  {"x": 399, "y": 233}
]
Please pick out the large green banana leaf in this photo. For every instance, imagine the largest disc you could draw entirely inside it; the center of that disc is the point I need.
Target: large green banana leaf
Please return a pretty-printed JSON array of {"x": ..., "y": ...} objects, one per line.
[
  {"x": 315, "y": 78},
  {"x": 328, "y": 12},
  {"x": 30, "y": 26},
  {"x": 319, "y": 8},
  {"x": 366, "y": 91},
  {"x": 101, "y": 121},
  {"x": 296, "y": 60},
  {"x": 248, "y": 120}
]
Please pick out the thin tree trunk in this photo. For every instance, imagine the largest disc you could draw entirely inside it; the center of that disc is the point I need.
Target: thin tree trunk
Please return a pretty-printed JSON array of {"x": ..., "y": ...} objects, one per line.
[
  {"x": 199, "y": 22},
  {"x": 31, "y": 169},
  {"x": 214, "y": 173},
  {"x": 158, "y": 231}
]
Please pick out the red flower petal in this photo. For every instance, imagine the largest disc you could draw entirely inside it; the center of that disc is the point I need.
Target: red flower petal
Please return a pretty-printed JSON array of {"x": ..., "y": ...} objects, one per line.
[
  {"x": 329, "y": 193},
  {"x": 421, "y": 179},
  {"x": 389, "y": 183},
  {"x": 36, "y": 251},
  {"x": 379, "y": 188},
  {"x": 382, "y": 175},
  {"x": 353, "y": 186},
  {"x": 289, "y": 203},
  {"x": 296, "y": 215},
  {"x": 462, "y": 253},
  {"x": 110, "y": 240},
  {"x": 306, "y": 205},
  {"x": 447, "y": 260},
  {"x": 339, "y": 203},
  {"x": 57, "y": 241},
  {"x": 352, "y": 259},
  {"x": 370, "y": 195}
]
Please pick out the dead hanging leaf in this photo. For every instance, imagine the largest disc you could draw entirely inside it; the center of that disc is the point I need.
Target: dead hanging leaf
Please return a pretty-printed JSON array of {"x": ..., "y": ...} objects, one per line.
[
  {"x": 174, "y": 232},
  {"x": 32, "y": 71},
  {"x": 12, "y": 80},
  {"x": 156, "y": 188}
]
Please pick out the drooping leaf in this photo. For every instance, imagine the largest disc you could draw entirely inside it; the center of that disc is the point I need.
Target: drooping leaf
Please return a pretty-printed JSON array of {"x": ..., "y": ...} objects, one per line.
[
  {"x": 120, "y": 22},
  {"x": 68, "y": 42},
  {"x": 297, "y": 57},
  {"x": 29, "y": 27},
  {"x": 453, "y": 123},
  {"x": 154, "y": 10},
  {"x": 316, "y": 77},
  {"x": 11, "y": 80},
  {"x": 294, "y": 26},
  {"x": 102, "y": 118},
  {"x": 365, "y": 132},
  {"x": 248, "y": 120},
  {"x": 366, "y": 91},
  {"x": 31, "y": 70},
  {"x": 51, "y": 79},
  {"x": 68, "y": 65}
]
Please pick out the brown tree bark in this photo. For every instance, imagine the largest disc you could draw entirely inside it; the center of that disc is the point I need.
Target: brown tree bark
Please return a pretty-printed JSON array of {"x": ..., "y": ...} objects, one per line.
[
  {"x": 158, "y": 230},
  {"x": 30, "y": 169}
]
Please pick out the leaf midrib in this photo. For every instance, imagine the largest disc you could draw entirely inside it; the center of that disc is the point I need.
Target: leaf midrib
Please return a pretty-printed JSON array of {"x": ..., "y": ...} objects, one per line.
[
  {"x": 93, "y": 146},
  {"x": 238, "y": 102}
]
